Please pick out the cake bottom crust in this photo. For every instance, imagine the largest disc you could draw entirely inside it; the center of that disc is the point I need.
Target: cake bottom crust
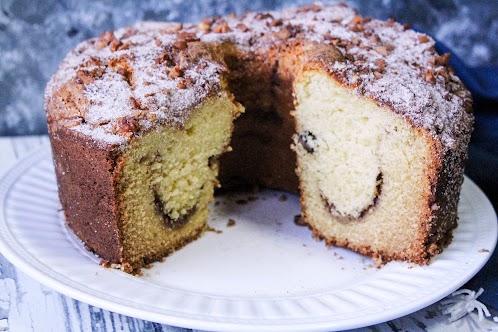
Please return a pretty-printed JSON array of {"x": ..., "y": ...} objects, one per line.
[
  {"x": 135, "y": 268},
  {"x": 421, "y": 255}
]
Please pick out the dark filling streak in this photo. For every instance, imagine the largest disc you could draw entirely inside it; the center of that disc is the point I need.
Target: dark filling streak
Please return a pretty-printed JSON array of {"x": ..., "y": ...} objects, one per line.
[
  {"x": 346, "y": 217},
  {"x": 168, "y": 221},
  {"x": 305, "y": 139},
  {"x": 378, "y": 190}
]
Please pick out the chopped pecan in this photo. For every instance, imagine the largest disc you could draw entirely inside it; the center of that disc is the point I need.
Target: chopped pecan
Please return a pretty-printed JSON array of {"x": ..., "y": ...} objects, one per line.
[
  {"x": 430, "y": 77},
  {"x": 222, "y": 27},
  {"x": 442, "y": 60},
  {"x": 262, "y": 16},
  {"x": 85, "y": 77},
  {"x": 284, "y": 33},
  {"x": 374, "y": 38},
  {"x": 380, "y": 63},
  {"x": 349, "y": 57},
  {"x": 423, "y": 39},
  {"x": 275, "y": 23},
  {"x": 122, "y": 67},
  {"x": 136, "y": 104},
  {"x": 175, "y": 72},
  {"x": 165, "y": 57},
  {"x": 357, "y": 19},
  {"x": 92, "y": 62},
  {"x": 444, "y": 73},
  {"x": 356, "y": 23},
  {"x": 381, "y": 50},
  {"x": 124, "y": 46},
  {"x": 115, "y": 44},
  {"x": 180, "y": 44},
  {"x": 105, "y": 39},
  {"x": 204, "y": 26},
  {"x": 357, "y": 28},
  {"x": 187, "y": 36},
  {"x": 242, "y": 27},
  {"x": 127, "y": 124},
  {"x": 72, "y": 123},
  {"x": 182, "y": 84}
]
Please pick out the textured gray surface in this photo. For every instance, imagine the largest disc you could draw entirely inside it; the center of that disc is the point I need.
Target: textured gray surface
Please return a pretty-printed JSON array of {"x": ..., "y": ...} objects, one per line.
[{"x": 36, "y": 34}]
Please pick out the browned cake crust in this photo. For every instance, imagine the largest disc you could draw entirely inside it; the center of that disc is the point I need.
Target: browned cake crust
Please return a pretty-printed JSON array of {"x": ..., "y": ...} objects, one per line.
[
  {"x": 85, "y": 174},
  {"x": 111, "y": 90}
]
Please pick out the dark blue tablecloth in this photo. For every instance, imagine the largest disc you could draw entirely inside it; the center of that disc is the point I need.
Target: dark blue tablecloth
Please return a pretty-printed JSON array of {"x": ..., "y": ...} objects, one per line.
[{"x": 482, "y": 165}]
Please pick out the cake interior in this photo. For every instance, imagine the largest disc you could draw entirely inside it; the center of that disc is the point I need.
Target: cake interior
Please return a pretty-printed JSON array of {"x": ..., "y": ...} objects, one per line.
[
  {"x": 363, "y": 172},
  {"x": 167, "y": 181}
]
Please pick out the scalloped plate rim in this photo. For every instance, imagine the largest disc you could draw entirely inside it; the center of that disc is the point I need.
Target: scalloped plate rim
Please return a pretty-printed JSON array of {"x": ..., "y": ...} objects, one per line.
[{"x": 57, "y": 283}]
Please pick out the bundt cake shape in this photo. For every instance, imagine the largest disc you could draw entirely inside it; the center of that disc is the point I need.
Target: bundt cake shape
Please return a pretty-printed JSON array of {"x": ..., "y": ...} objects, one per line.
[{"x": 378, "y": 123}]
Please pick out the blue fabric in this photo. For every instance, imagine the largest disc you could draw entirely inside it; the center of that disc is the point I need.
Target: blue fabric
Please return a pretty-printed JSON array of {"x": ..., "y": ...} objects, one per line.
[{"x": 482, "y": 166}]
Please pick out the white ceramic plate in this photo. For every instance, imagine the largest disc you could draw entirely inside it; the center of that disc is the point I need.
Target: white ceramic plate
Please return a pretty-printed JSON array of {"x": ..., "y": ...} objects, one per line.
[{"x": 263, "y": 273}]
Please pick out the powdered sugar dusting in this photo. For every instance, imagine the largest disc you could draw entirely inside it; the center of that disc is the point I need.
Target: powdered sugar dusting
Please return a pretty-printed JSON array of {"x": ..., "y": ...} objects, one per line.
[
  {"x": 395, "y": 66},
  {"x": 100, "y": 134},
  {"x": 127, "y": 87},
  {"x": 114, "y": 103}
]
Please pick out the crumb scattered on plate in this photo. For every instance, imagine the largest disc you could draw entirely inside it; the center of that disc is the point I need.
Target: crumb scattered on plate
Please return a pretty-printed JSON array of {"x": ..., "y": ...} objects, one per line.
[
  {"x": 298, "y": 220},
  {"x": 211, "y": 229}
]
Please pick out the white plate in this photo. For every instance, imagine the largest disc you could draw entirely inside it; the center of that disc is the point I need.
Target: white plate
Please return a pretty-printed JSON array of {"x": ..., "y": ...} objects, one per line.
[{"x": 264, "y": 273}]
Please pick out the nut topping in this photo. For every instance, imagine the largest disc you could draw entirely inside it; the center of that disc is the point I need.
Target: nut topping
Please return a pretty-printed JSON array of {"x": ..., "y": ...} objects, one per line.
[
  {"x": 182, "y": 84},
  {"x": 284, "y": 33},
  {"x": 430, "y": 77},
  {"x": 221, "y": 27},
  {"x": 380, "y": 63},
  {"x": 180, "y": 44},
  {"x": 423, "y": 39},
  {"x": 242, "y": 27},
  {"x": 204, "y": 26},
  {"x": 442, "y": 60},
  {"x": 381, "y": 50},
  {"x": 105, "y": 39},
  {"x": 175, "y": 72}
]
